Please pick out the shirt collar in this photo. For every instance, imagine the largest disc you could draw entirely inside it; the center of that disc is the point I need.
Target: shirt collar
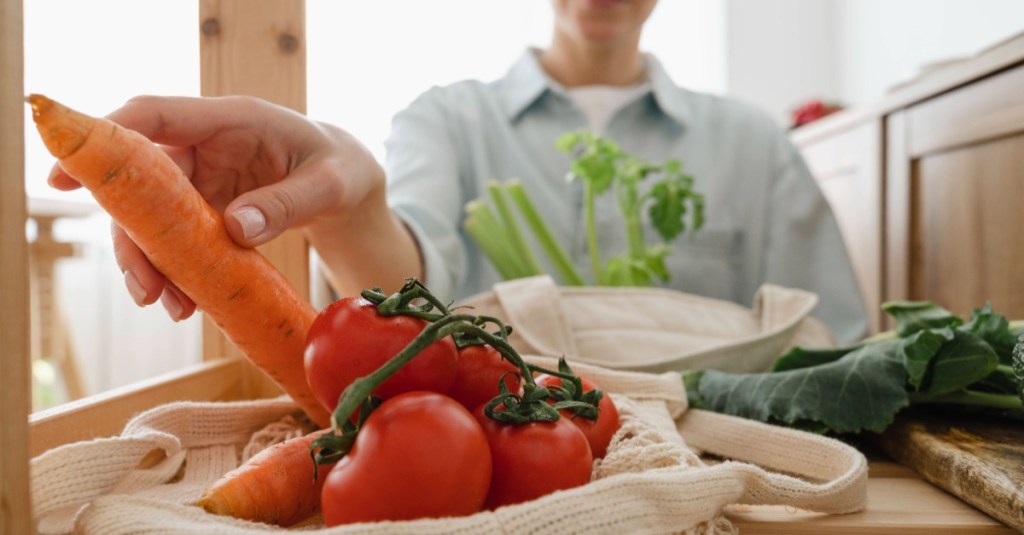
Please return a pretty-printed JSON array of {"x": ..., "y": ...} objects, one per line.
[{"x": 526, "y": 82}]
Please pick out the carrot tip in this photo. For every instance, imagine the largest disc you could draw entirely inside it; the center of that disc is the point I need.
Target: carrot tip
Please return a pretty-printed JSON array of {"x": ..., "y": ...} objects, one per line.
[{"x": 39, "y": 103}]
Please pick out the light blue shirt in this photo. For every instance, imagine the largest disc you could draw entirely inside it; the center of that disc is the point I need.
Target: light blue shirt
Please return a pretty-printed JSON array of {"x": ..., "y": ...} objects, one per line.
[{"x": 766, "y": 219}]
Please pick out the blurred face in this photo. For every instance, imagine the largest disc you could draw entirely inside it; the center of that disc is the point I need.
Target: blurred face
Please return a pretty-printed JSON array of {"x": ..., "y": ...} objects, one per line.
[{"x": 602, "y": 22}]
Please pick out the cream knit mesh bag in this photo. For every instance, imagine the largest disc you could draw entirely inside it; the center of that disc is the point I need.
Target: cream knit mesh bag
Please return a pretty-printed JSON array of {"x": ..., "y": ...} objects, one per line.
[{"x": 652, "y": 479}]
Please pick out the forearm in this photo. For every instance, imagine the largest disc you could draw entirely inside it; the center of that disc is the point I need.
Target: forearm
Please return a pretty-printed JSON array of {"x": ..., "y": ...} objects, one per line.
[{"x": 365, "y": 248}]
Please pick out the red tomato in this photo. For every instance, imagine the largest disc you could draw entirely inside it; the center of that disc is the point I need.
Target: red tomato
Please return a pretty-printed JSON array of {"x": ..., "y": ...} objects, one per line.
[
  {"x": 535, "y": 459},
  {"x": 599, "y": 432},
  {"x": 419, "y": 455},
  {"x": 479, "y": 370},
  {"x": 349, "y": 339}
]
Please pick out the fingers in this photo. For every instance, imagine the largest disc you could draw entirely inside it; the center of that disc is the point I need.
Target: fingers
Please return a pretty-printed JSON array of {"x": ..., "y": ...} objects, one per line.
[
  {"x": 60, "y": 180},
  {"x": 186, "y": 121},
  {"x": 145, "y": 284},
  {"x": 260, "y": 215}
]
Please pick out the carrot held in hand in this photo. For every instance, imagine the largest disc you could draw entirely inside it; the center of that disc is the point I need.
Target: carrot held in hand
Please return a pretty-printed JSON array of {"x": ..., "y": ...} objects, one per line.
[
  {"x": 275, "y": 486},
  {"x": 146, "y": 193}
]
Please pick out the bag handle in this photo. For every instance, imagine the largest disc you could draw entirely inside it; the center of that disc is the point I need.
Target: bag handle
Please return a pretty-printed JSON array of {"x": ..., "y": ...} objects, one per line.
[
  {"x": 533, "y": 306},
  {"x": 836, "y": 474},
  {"x": 75, "y": 474}
]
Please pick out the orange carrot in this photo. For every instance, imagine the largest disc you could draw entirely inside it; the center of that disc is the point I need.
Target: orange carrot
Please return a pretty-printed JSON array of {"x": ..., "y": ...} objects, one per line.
[
  {"x": 184, "y": 237},
  {"x": 275, "y": 486}
]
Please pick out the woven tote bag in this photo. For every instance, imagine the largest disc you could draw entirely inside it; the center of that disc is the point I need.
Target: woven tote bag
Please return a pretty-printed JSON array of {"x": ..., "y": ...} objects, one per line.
[
  {"x": 652, "y": 329},
  {"x": 652, "y": 480}
]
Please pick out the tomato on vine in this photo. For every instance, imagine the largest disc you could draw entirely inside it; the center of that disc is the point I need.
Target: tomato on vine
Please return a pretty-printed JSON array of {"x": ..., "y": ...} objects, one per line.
[
  {"x": 479, "y": 370},
  {"x": 418, "y": 455},
  {"x": 350, "y": 339},
  {"x": 534, "y": 459},
  {"x": 532, "y": 449},
  {"x": 599, "y": 432}
]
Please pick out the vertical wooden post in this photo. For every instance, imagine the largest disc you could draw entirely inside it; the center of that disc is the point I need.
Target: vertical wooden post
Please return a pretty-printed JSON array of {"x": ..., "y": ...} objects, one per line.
[
  {"x": 15, "y": 388},
  {"x": 257, "y": 48}
]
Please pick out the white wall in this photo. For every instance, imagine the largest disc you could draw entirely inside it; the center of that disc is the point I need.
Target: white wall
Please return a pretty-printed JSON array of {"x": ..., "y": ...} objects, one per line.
[
  {"x": 883, "y": 42},
  {"x": 368, "y": 60},
  {"x": 782, "y": 52}
]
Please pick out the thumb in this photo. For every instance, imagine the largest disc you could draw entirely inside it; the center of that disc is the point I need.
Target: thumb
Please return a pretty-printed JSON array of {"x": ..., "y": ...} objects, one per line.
[{"x": 262, "y": 214}]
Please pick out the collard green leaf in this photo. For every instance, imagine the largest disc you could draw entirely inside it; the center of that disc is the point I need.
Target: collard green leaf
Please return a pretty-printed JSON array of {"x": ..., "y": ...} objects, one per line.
[
  {"x": 994, "y": 329},
  {"x": 919, "y": 350},
  {"x": 691, "y": 381},
  {"x": 800, "y": 357},
  {"x": 963, "y": 360},
  {"x": 913, "y": 316},
  {"x": 997, "y": 382},
  {"x": 863, "y": 390}
]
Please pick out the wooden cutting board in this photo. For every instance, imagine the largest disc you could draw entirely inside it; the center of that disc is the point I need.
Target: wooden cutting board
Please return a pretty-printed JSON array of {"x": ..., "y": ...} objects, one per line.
[{"x": 976, "y": 458}]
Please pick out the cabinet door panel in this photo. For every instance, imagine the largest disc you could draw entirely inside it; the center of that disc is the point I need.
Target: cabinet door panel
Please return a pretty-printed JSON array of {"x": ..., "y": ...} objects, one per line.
[
  {"x": 966, "y": 223},
  {"x": 955, "y": 182}
]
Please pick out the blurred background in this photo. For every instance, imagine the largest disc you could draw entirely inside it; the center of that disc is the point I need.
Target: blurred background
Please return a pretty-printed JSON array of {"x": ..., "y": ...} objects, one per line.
[{"x": 367, "y": 60}]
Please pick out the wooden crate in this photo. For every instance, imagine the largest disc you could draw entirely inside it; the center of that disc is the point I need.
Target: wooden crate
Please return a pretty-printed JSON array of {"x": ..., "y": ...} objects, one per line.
[{"x": 253, "y": 47}]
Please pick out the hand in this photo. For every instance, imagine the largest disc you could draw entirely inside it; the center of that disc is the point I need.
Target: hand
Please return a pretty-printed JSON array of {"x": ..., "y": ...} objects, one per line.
[{"x": 266, "y": 168}]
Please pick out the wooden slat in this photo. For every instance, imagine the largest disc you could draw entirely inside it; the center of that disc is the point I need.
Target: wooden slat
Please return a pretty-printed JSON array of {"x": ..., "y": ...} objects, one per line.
[
  {"x": 899, "y": 504},
  {"x": 986, "y": 110},
  {"x": 105, "y": 414},
  {"x": 15, "y": 389},
  {"x": 257, "y": 48}
]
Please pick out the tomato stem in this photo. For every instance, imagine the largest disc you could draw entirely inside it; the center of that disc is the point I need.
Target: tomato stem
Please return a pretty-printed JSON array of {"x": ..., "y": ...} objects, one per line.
[{"x": 466, "y": 329}]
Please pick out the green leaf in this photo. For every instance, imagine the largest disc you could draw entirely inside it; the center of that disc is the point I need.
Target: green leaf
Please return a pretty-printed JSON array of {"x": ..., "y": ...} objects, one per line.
[
  {"x": 691, "y": 381},
  {"x": 668, "y": 209},
  {"x": 913, "y": 316},
  {"x": 963, "y": 360},
  {"x": 655, "y": 261},
  {"x": 598, "y": 172},
  {"x": 919, "y": 350},
  {"x": 626, "y": 270},
  {"x": 567, "y": 142},
  {"x": 863, "y": 390},
  {"x": 994, "y": 329},
  {"x": 799, "y": 357}
]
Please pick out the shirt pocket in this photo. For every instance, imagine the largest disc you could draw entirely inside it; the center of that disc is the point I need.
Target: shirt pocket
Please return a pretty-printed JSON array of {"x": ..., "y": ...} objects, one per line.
[{"x": 706, "y": 263}]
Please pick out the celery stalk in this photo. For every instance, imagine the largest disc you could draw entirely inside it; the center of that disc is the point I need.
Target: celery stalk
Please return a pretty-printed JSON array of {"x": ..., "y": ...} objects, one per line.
[
  {"x": 515, "y": 235},
  {"x": 554, "y": 251},
  {"x": 493, "y": 239}
]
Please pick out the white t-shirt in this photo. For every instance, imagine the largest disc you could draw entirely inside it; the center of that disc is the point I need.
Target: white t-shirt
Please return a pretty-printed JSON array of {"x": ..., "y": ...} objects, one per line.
[{"x": 599, "y": 103}]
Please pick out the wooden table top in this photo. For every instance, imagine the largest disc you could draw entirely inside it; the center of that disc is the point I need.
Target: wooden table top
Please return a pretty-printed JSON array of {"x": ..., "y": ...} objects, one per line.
[{"x": 899, "y": 502}]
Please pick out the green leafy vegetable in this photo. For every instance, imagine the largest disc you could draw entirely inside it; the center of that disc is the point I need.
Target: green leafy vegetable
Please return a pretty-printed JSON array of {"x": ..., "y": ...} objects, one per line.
[
  {"x": 931, "y": 357},
  {"x": 602, "y": 167}
]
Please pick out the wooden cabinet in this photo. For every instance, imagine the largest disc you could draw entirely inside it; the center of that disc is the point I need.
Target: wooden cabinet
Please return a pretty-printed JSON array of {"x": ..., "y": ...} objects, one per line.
[
  {"x": 848, "y": 167},
  {"x": 961, "y": 177},
  {"x": 927, "y": 186}
]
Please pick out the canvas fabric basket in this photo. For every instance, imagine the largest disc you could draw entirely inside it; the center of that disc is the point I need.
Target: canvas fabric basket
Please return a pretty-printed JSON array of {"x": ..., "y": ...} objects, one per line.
[
  {"x": 651, "y": 481},
  {"x": 653, "y": 329}
]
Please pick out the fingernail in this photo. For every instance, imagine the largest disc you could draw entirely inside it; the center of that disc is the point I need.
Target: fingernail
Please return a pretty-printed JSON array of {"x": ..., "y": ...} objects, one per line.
[
  {"x": 251, "y": 220},
  {"x": 171, "y": 304},
  {"x": 53, "y": 174},
  {"x": 135, "y": 288}
]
